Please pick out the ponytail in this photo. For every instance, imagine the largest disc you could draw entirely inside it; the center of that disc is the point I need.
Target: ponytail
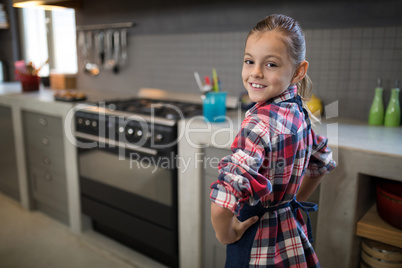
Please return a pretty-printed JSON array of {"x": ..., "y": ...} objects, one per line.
[{"x": 304, "y": 87}]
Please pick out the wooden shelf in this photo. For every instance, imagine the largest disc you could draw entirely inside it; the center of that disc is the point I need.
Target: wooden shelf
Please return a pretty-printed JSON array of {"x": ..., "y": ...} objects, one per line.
[{"x": 371, "y": 226}]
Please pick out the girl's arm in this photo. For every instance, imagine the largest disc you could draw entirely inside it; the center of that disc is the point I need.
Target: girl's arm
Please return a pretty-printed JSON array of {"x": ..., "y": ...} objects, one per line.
[
  {"x": 307, "y": 187},
  {"x": 320, "y": 163},
  {"x": 228, "y": 228}
]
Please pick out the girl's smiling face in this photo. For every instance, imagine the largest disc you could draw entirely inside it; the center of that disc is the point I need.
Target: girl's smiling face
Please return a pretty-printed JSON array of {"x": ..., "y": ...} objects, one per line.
[{"x": 267, "y": 68}]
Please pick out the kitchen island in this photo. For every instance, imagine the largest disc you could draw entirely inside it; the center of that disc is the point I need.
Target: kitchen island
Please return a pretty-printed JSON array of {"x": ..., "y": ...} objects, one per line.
[{"x": 362, "y": 152}]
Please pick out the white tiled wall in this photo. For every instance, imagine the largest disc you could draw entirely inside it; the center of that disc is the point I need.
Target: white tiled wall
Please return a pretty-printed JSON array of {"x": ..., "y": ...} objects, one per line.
[{"x": 344, "y": 64}]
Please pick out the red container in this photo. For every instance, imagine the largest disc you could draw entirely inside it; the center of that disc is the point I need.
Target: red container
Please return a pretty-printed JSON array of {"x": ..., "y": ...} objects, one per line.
[
  {"x": 30, "y": 82},
  {"x": 389, "y": 202}
]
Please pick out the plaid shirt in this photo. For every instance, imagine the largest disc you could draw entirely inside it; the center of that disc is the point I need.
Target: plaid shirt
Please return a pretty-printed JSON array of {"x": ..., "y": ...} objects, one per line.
[{"x": 271, "y": 153}]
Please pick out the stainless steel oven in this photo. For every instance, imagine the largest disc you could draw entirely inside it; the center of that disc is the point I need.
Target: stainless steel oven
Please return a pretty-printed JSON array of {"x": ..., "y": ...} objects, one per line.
[{"x": 128, "y": 177}]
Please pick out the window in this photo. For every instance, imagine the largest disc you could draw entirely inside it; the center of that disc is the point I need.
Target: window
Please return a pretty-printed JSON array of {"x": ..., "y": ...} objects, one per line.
[{"x": 49, "y": 34}]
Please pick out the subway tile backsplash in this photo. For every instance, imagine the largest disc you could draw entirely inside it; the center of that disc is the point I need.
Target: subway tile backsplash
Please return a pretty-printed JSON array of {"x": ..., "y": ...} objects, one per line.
[{"x": 344, "y": 64}]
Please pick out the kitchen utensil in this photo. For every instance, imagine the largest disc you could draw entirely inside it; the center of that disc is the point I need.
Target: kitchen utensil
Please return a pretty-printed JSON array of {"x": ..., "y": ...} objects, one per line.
[
  {"x": 109, "y": 51},
  {"x": 116, "y": 51},
  {"x": 96, "y": 50},
  {"x": 203, "y": 88},
  {"x": 376, "y": 254},
  {"x": 123, "y": 39},
  {"x": 2, "y": 72},
  {"x": 389, "y": 202},
  {"x": 81, "y": 44},
  {"x": 215, "y": 78},
  {"x": 90, "y": 66},
  {"x": 101, "y": 41},
  {"x": 382, "y": 251},
  {"x": 36, "y": 71}
]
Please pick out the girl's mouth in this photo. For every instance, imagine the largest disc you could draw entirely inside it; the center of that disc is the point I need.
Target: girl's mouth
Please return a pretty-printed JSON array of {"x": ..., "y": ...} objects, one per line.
[{"x": 257, "y": 86}]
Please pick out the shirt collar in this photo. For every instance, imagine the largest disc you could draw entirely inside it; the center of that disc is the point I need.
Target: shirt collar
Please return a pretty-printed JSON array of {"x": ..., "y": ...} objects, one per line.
[{"x": 288, "y": 94}]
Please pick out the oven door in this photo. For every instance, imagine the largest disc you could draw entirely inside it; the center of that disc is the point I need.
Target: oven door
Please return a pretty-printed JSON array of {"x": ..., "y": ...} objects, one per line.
[{"x": 132, "y": 198}]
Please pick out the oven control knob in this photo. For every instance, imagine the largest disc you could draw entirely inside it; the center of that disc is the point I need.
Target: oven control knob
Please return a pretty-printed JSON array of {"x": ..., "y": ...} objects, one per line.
[
  {"x": 130, "y": 131},
  {"x": 88, "y": 122},
  {"x": 94, "y": 123},
  {"x": 158, "y": 137},
  {"x": 138, "y": 133},
  {"x": 121, "y": 129},
  {"x": 80, "y": 121}
]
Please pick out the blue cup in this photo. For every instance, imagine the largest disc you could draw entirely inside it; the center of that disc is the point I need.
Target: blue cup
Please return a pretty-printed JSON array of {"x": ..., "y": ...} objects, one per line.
[{"x": 214, "y": 106}]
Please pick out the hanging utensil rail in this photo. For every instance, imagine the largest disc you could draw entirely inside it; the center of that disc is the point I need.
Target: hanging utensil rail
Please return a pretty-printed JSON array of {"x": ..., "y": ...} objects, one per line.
[{"x": 96, "y": 27}]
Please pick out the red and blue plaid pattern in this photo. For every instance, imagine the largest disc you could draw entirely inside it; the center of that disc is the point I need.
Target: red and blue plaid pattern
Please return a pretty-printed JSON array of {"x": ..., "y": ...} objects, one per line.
[{"x": 271, "y": 153}]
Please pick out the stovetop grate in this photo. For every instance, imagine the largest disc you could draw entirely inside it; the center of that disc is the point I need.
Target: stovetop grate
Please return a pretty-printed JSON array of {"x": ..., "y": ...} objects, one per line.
[{"x": 165, "y": 109}]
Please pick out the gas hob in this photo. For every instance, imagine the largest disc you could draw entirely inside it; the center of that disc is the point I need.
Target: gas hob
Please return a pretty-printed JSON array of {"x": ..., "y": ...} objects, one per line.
[{"x": 173, "y": 110}]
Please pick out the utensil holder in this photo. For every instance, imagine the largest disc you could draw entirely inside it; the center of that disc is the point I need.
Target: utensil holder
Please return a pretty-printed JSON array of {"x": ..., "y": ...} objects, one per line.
[
  {"x": 214, "y": 107},
  {"x": 30, "y": 83}
]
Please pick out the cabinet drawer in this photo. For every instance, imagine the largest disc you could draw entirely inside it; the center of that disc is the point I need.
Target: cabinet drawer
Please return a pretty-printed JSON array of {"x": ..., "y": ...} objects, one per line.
[
  {"x": 48, "y": 184},
  {"x": 45, "y": 145},
  {"x": 46, "y": 161},
  {"x": 42, "y": 139},
  {"x": 43, "y": 123}
]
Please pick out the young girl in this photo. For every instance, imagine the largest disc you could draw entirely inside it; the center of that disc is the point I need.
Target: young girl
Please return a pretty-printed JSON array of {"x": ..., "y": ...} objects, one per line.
[{"x": 277, "y": 159}]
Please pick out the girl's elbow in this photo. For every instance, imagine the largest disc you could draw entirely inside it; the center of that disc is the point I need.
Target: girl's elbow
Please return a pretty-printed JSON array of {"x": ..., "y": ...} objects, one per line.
[{"x": 224, "y": 241}]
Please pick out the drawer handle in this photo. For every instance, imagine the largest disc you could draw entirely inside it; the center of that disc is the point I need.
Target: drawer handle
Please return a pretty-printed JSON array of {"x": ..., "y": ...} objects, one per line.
[
  {"x": 43, "y": 121},
  {"x": 45, "y": 141},
  {"x": 46, "y": 160},
  {"x": 47, "y": 176}
]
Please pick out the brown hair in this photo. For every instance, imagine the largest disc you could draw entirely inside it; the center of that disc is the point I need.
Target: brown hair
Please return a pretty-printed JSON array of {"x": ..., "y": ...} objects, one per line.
[{"x": 294, "y": 39}]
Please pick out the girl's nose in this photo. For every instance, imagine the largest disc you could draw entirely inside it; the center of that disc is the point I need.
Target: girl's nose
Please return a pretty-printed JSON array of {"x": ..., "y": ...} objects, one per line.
[{"x": 256, "y": 72}]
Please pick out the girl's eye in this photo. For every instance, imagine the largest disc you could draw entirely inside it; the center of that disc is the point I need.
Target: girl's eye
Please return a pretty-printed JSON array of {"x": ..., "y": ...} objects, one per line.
[
  {"x": 271, "y": 65},
  {"x": 248, "y": 62}
]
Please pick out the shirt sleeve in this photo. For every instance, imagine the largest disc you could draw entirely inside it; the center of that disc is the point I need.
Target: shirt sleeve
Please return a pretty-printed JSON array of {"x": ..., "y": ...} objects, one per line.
[
  {"x": 321, "y": 161},
  {"x": 239, "y": 180}
]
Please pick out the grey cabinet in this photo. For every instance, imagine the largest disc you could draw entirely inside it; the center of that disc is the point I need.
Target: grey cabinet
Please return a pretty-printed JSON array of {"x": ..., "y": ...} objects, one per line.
[
  {"x": 44, "y": 148},
  {"x": 214, "y": 253},
  {"x": 9, "y": 184}
]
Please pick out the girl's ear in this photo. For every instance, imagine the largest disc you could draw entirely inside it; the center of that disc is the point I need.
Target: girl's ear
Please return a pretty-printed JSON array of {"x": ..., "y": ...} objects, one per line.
[{"x": 301, "y": 72}]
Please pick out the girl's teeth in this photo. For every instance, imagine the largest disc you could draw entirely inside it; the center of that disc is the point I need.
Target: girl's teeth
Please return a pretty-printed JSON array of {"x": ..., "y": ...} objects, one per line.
[{"x": 257, "y": 85}]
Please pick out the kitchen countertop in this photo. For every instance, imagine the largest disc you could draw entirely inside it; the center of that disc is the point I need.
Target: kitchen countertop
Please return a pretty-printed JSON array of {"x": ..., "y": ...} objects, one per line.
[
  {"x": 13, "y": 90},
  {"x": 10, "y": 88},
  {"x": 341, "y": 132},
  {"x": 349, "y": 133}
]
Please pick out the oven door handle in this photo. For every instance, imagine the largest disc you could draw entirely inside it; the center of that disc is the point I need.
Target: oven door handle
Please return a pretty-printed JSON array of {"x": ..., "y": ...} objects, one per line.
[{"x": 115, "y": 143}]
